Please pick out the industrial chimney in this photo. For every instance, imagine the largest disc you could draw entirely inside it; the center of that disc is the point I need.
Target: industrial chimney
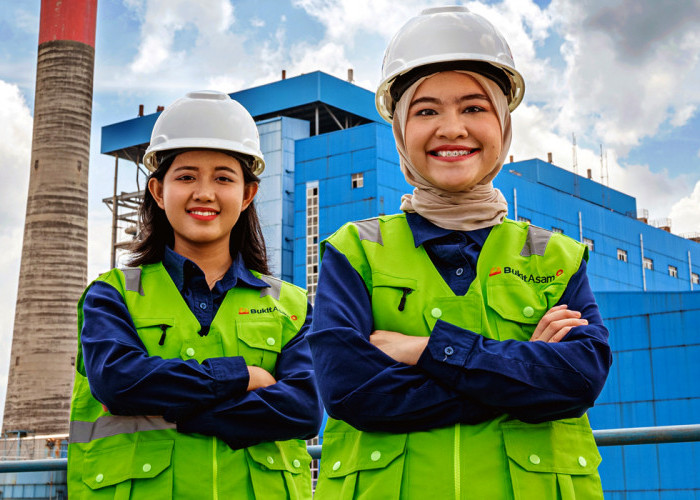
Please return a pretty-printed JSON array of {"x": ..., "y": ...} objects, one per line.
[{"x": 54, "y": 253}]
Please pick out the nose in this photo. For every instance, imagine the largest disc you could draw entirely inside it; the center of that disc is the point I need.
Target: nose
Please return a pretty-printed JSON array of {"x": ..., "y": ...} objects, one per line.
[
  {"x": 452, "y": 125},
  {"x": 203, "y": 191}
]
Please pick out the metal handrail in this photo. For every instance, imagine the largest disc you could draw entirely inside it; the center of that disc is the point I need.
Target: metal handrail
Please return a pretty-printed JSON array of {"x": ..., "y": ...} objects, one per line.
[{"x": 605, "y": 437}]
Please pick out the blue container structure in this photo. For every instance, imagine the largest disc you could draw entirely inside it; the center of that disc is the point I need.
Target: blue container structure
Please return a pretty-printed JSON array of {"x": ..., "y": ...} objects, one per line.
[{"x": 331, "y": 159}]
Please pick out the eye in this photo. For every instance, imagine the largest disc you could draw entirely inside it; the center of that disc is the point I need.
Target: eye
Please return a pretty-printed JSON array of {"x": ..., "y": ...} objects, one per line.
[
  {"x": 184, "y": 177},
  {"x": 224, "y": 178},
  {"x": 474, "y": 109},
  {"x": 426, "y": 112}
]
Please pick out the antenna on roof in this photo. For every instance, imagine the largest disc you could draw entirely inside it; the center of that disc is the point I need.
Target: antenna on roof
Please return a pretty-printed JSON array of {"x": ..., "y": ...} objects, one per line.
[
  {"x": 603, "y": 167},
  {"x": 575, "y": 164}
]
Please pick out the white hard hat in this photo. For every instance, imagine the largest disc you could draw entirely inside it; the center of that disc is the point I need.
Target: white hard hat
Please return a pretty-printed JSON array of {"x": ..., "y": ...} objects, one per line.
[
  {"x": 205, "y": 119},
  {"x": 444, "y": 39}
]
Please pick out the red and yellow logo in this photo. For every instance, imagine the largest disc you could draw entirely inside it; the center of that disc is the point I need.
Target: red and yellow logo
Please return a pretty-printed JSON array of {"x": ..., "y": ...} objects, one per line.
[
  {"x": 243, "y": 310},
  {"x": 560, "y": 272},
  {"x": 495, "y": 271},
  {"x": 293, "y": 317}
]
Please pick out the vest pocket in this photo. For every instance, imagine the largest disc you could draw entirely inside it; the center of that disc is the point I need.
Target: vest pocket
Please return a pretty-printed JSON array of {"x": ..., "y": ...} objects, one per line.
[
  {"x": 519, "y": 307},
  {"x": 139, "y": 470},
  {"x": 394, "y": 302},
  {"x": 259, "y": 342},
  {"x": 280, "y": 469},
  {"x": 153, "y": 332},
  {"x": 553, "y": 460},
  {"x": 361, "y": 466}
]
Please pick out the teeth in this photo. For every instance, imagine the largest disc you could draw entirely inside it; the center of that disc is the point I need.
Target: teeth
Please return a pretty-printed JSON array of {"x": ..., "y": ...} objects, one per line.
[
  {"x": 451, "y": 153},
  {"x": 197, "y": 212}
]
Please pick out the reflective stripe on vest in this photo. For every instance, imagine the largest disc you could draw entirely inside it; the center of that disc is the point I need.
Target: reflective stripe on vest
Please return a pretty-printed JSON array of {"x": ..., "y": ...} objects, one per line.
[
  {"x": 536, "y": 242},
  {"x": 275, "y": 287},
  {"x": 112, "y": 425},
  {"x": 368, "y": 229},
  {"x": 132, "y": 279}
]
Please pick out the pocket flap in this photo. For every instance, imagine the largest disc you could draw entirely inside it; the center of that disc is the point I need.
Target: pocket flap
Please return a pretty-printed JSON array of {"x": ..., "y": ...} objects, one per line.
[
  {"x": 563, "y": 447},
  {"x": 260, "y": 334},
  {"x": 290, "y": 456},
  {"x": 514, "y": 300},
  {"x": 345, "y": 453},
  {"x": 110, "y": 465}
]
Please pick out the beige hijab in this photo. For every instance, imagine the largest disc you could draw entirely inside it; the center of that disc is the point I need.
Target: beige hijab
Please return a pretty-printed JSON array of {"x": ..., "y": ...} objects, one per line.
[{"x": 481, "y": 206}]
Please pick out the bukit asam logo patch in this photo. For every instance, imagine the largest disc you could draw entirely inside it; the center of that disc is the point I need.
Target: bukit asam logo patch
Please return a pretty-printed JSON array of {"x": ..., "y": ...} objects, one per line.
[
  {"x": 527, "y": 278},
  {"x": 264, "y": 310}
]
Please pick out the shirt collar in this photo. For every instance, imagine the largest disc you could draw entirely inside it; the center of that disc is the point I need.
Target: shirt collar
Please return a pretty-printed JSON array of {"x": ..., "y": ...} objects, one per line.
[
  {"x": 423, "y": 230},
  {"x": 176, "y": 265}
]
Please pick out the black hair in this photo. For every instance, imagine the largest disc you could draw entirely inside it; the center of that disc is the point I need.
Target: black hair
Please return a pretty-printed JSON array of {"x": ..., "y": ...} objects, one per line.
[
  {"x": 490, "y": 71},
  {"x": 155, "y": 232}
]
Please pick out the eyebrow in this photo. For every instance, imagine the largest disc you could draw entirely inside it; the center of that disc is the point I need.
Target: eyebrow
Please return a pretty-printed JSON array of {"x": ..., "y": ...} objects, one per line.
[
  {"x": 435, "y": 100},
  {"x": 194, "y": 168}
]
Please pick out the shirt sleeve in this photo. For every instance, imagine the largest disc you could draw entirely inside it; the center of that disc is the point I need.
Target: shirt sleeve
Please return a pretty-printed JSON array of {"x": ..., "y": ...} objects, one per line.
[
  {"x": 128, "y": 381},
  {"x": 532, "y": 381},
  {"x": 358, "y": 382},
  {"x": 288, "y": 409}
]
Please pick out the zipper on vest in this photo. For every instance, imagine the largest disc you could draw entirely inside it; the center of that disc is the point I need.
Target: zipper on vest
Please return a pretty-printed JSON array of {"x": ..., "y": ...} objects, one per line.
[
  {"x": 162, "y": 337},
  {"x": 457, "y": 463},
  {"x": 402, "y": 302},
  {"x": 215, "y": 471}
]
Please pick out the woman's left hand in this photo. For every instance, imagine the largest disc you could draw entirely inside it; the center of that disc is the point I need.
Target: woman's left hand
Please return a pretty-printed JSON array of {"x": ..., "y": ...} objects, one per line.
[{"x": 402, "y": 348}]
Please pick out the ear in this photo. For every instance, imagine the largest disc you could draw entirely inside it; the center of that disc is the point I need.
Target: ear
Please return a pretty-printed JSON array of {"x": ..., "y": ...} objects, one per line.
[
  {"x": 156, "y": 188},
  {"x": 249, "y": 192}
]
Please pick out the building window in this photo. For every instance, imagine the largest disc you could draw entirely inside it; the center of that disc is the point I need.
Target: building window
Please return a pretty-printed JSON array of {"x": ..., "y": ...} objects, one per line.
[
  {"x": 648, "y": 264},
  {"x": 589, "y": 243},
  {"x": 358, "y": 180},
  {"x": 622, "y": 255},
  {"x": 673, "y": 271},
  {"x": 524, "y": 219},
  {"x": 695, "y": 278},
  {"x": 557, "y": 230},
  {"x": 311, "y": 239}
]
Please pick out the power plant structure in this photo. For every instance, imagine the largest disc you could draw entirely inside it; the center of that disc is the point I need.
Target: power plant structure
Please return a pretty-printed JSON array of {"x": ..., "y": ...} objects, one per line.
[{"x": 54, "y": 254}]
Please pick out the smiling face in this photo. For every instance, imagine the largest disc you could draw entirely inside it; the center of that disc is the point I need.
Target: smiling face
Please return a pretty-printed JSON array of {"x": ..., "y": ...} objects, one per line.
[
  {"x": 453, "y": 136},
  {"x": 203, "y": 194}
]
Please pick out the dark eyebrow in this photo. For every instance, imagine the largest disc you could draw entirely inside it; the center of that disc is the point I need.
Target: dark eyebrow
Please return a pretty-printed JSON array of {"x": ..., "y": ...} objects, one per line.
[
  {"x": 196, "y": 169},
  {"x": 434, "y": 100}
]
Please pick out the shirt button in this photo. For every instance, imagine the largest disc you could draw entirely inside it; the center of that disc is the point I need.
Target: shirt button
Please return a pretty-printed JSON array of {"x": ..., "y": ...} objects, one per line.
[
  {"x": 190, "y": 352},
  {"x": 449, "y": 350},
  {"x": 270, "y": 341},
  {"x": 582, "y": 461},
  {"x": 436, "y": 312},
  {"x": 296, "y": 463},
  {"x": 376, "y": 455},
  {"x": 99, "y": 478},
  {"x": 336, "y": 466},
  {"x": 534, "y": 459},
  {"x": 459, "y": 271},
  {"x": 270, "y": 460},
  {"x": 146, "y": 467},
  {"x": 202, "y": 305},
  {"x": 528, "y": 311}
]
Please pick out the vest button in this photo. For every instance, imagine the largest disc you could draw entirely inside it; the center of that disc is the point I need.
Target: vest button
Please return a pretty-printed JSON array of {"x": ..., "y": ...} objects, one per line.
[
  {"x": 99, "y": 478},
  {"x": 189, "y": 352},
  {"x": 376, "y": 455},
  {"x": 270, "y": 460},
  {"x": 534, "y": 459},
  {"x": 582, "y": 461},
  {"x": 270, "y": 341},
  {"x": 146, "y": 467},
  {"x": 436, "y": 312},
  {"x": 296, "y": 464},
  {"x": 528, "y": 311},
  {"x": 336, "y": 466},
  {"x": 449, "y": 350},
  {"x": 459, "y": 271},
  {"x": 202, "y": 305}
]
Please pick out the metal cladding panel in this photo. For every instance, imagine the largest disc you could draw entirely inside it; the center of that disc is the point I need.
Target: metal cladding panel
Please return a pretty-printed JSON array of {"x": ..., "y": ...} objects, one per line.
[
  {"x": 307, "y": 89},
  {"x": 610, "y": 473},
  {"x": 642, "y": 470},
  {"x": 127, "y": 134},
  {"x": 677, "y": 372}
]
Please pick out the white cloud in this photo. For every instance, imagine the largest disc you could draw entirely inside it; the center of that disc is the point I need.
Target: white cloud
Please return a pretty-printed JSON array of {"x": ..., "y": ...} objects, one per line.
[
  {"x": 685, "y": 213},
  {"x": 15, "y": 150}
]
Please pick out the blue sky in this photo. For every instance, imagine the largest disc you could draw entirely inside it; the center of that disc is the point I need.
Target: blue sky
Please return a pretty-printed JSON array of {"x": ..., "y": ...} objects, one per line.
[{"x": 621, "y": 73}]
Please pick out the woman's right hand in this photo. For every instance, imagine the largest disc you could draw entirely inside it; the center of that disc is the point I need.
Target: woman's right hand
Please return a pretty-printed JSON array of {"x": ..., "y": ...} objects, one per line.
[
  {"x": 556, "y": 323},
  {"x": 259, "y": 377}
]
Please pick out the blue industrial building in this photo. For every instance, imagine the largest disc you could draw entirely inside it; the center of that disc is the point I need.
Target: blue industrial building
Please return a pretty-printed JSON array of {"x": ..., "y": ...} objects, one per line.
[{"x": 331, "y": 159}]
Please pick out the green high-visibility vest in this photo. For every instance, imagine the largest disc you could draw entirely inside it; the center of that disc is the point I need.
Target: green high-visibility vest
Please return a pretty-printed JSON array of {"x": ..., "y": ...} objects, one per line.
[
  {"x": 144, "y": 457},
  {"x": 522, "y": 272}
]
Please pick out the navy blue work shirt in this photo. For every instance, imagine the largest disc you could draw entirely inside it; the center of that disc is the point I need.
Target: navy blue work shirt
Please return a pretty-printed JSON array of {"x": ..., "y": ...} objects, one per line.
[
  {"x": 208, "y": 398},
  {"x": 481, "y": 379}
]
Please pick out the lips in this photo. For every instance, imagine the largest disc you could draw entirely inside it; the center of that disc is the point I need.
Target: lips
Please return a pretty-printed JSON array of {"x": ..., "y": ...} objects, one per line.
[
  {"x": 453, "y": 153},
  {"x": 202, "y": 213}
]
